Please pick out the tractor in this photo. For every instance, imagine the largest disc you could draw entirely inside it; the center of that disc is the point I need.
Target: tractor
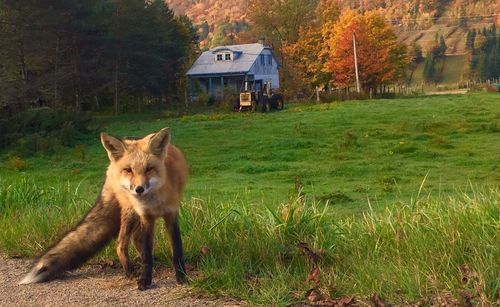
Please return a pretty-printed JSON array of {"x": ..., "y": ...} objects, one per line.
[{"x": 258, "y": 96}]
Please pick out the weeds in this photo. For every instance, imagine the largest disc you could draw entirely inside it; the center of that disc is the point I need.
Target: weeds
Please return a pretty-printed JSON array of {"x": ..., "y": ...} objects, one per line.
[
  {"x": 411, "y": 251},
  {"x": 16, "y": 163},
  {"x": 334, "y": 197}
]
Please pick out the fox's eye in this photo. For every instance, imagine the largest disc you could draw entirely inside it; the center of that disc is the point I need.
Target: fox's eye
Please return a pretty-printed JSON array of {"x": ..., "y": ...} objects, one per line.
[
  {"x": 127, "y": 170},
  {"x": 149, "y": 169}
]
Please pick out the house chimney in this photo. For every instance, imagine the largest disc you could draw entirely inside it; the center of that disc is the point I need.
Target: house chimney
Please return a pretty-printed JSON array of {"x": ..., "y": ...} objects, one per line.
[{"x": 262, "y": 41}]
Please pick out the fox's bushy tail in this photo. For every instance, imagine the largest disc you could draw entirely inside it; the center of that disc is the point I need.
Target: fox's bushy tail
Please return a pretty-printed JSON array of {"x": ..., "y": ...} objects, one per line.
[{"x": 92, "y": 233}]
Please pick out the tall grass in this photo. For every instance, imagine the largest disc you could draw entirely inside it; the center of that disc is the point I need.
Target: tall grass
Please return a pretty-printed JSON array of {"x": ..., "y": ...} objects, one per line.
[
  {"x": 413, "y": 250},
  {"x": 31, "y": 216}
]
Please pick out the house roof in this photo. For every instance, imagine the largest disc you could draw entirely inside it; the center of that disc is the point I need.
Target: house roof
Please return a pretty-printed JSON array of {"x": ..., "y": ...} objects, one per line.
[{"x": 245, "y": 57}]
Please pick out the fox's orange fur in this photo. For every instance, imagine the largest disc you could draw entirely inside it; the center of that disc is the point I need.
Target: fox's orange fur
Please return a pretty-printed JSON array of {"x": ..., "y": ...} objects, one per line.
[{"x": 144, "y": 182}]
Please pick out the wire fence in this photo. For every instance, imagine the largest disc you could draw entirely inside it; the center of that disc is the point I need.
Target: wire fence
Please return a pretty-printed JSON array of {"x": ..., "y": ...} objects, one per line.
[{"x": 403, "y": 90}]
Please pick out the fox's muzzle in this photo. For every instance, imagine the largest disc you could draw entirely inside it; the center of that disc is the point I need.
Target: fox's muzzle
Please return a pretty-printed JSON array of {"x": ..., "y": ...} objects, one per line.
[
  {"x": 143, "y": 188},
  {"x": 139, "y": 190}
]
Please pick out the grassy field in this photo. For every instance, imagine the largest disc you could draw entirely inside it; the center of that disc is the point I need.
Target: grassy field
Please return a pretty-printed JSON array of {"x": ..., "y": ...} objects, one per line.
[
  {"x": 453, "y": 69},
  {"x": 399, "y": 197}
]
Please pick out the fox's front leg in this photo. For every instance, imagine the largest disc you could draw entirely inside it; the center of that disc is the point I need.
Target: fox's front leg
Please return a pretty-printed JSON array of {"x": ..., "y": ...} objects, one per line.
[
  {"x": 129, "y": 223},
  {"x": 174, "y": 233},
  {"x": 143, "y": 241}
]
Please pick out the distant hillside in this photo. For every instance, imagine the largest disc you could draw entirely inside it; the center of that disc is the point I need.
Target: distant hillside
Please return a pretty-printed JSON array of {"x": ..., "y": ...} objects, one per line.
[
  {"x": 212, "y": 11},
  {"x": 414, "y": 20},
  {"x": 454, "y": 34},
  {"x": 452, "y": 69},
  {"x": 214, "y": 18}
]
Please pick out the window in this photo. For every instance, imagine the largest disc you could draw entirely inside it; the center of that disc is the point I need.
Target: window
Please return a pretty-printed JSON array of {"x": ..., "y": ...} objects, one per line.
[
  {"x": 270, "y": 60},
  {"x": 223, "y": 56},
  {"x": 262, "y": 61}
]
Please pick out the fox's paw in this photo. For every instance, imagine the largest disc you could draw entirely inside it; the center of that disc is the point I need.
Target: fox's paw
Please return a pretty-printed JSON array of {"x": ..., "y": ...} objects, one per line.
[
  {"x": 181, "y": 277},
  {"x": 143, "y": 284},
  {"x": 132, "y": 272}
]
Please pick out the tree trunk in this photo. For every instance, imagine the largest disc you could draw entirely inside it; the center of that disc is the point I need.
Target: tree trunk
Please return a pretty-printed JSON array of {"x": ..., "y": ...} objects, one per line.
[
  {"x": 56, "y": 73},
  {"x": 117, "y": 97},
  {"x": 24, "y": 72},
  {"x": 22, "y": 63},
  {"x": 77, "y": 99},
  {"x": 76, "y": 72}
]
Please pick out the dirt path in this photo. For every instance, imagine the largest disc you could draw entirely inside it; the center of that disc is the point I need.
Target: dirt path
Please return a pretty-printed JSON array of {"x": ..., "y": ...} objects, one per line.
[
  {"x": 457, "y": 91},
  {"x": 94, "y": 286}
]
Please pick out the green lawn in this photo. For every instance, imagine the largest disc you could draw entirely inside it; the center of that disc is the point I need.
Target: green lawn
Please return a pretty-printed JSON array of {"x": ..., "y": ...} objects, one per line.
[
  {"x": 382, "y": 183},
  {"x": 454, "y": 68},
  {"x": 379, "y": 150},
  {"x": 417, "y": 75}
]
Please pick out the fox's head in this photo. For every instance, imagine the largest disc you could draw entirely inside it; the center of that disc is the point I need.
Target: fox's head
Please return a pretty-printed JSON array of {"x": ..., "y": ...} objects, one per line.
[{"x": 137, "y": 165}]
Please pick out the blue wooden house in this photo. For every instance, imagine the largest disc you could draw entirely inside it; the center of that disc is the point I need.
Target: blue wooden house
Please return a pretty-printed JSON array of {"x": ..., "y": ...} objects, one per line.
[{"x": 230, "y": 66}]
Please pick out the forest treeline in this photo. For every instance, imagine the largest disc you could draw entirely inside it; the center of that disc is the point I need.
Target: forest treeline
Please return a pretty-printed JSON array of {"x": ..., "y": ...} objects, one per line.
[
  {"x": 221, "y": 20},
  {"x": 94, "y": 54},
  {"x": 484, "y": 46},
  {"x": 117, "y": 56}
]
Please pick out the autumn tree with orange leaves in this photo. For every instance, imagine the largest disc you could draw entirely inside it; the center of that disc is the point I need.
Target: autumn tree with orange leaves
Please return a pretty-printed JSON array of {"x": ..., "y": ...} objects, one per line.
[
  {"x": 309, "y": 55},
  {"x": 314, "y": 44},
  {"x": 381, "y": 60}
]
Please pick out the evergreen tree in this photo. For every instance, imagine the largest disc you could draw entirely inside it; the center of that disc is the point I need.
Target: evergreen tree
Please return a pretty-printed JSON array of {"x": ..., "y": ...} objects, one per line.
[
  {"x": 485, "y": 59},
  {"x": 204, "y": 30},
  {"x": 462, "y": 22},
  {"x": 415, "y": 53},
  {"x": 442, "y": 46},
  {"x": 73, "y": 54},
  {"x": 469, "y": 42},
  {"x": 429, "y": 69}
]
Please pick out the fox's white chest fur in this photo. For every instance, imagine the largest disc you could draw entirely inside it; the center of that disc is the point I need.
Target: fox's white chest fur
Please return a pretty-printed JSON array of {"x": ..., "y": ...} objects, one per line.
[{"x": 151, "y": 205}]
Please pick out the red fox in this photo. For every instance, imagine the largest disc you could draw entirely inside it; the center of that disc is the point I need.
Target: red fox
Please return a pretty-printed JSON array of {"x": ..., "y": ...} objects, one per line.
[{"x": 144, "y": 181}]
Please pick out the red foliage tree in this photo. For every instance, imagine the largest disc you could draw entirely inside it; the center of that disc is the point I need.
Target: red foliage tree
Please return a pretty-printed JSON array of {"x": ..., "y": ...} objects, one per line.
[{"x": 381, "y": 60}]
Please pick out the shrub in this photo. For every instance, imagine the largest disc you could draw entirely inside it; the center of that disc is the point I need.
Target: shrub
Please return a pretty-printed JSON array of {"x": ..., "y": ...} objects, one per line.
[
  {"x": 42, "y": 130},
  {"x": 67, "y": 133},
  {"x": 16, "y": 163},
  {"x": 79, "y": 152},
  {"x": 230, "y": 96},
  {"x": 204, "y": 100}
]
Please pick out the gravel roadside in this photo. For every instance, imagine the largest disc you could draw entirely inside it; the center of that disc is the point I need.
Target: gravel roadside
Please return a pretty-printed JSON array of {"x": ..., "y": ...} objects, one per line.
[{"x": 93, "y": 285}]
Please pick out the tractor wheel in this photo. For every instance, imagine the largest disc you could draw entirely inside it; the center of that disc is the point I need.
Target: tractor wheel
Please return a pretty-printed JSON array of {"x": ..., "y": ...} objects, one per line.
[
  {"x": 236, "y": 105},
  {"x": 281, "y": 104},
  {"x": 278, "y": 100},
  {"x": 265, "y": 105}
]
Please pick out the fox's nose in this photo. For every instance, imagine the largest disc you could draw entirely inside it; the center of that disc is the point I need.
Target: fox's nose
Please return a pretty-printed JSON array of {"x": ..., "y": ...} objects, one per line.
[{"x": 139, "y": 190}]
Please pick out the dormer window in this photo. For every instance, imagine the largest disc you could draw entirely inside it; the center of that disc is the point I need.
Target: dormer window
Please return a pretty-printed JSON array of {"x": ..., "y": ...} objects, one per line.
[{"x": 224, "y": 56}]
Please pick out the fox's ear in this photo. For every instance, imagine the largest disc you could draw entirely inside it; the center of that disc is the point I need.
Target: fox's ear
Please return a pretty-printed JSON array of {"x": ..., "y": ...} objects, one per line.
[
  {"x": 159, "y": 142},
  {"x": 113, "y": 146}
]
